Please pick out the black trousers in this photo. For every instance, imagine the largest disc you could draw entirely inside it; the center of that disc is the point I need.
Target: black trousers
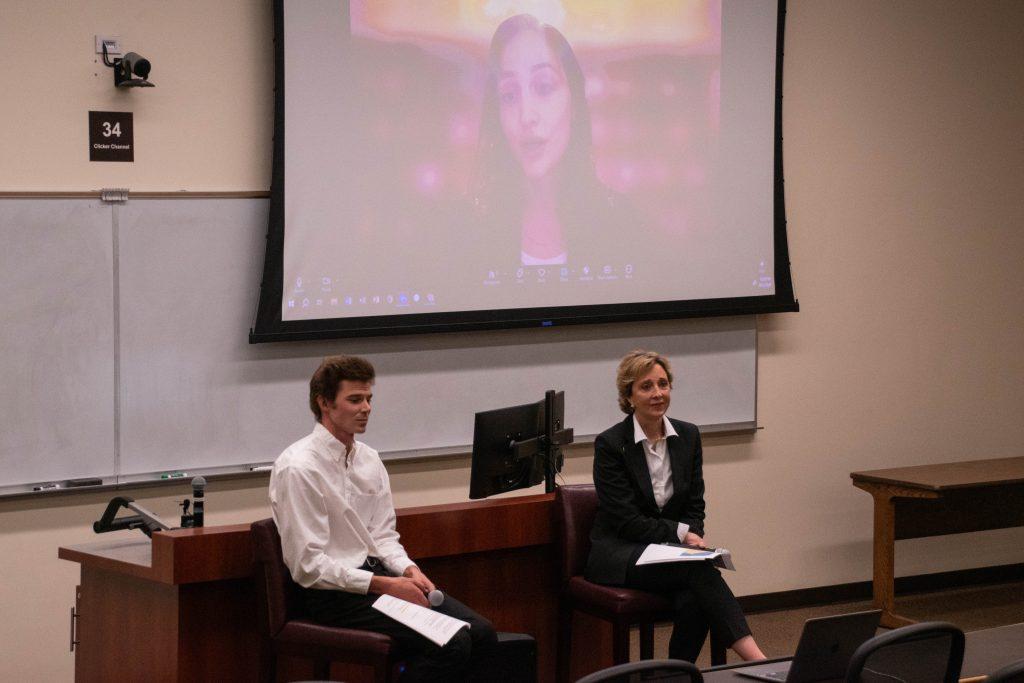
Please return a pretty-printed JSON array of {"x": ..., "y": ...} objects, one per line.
[
  {"x": 424, "y": 659},
  {"x": 701, "y": 600}
]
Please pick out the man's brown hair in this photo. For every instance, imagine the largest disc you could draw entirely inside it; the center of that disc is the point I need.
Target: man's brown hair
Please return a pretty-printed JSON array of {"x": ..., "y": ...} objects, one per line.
[{"x": 329, "y": 376}]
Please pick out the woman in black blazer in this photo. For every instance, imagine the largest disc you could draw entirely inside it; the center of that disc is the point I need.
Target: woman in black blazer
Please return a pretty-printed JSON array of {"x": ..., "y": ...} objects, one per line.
[{"x": 650, "y": 489}]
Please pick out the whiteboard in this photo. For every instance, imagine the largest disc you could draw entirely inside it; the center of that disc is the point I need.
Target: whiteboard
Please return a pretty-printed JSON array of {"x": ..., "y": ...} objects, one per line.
[
  {"x": 191, "y": 393},
  {"x": 57, "y": 335}
]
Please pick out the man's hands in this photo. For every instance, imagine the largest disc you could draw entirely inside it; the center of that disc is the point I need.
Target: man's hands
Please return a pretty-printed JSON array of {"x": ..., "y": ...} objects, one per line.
[
  {"x": 412, "y": 586},
  {"x": 400, "y": 587},
  {"x": 419, "y": 578}
]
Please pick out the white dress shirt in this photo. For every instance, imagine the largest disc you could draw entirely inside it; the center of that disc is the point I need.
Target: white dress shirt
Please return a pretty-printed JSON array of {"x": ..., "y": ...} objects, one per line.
[
  {"x": 660, "y": 467},
  {"x": 333, "y": 510}
]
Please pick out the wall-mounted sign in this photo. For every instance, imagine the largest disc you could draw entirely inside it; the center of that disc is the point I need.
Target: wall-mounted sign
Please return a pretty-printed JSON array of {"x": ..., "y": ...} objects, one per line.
[{"x": 110, "y": 136}]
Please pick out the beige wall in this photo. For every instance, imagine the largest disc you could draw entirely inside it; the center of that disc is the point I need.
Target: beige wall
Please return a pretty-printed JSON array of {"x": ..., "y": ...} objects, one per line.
[
  {"x": 207, "y": 125},
  {"x": 904, "y": 169}
]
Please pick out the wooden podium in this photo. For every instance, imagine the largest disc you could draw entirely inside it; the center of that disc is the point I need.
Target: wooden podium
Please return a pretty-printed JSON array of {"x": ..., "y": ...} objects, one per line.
[
  {"x": 179, "y": 608},
  {"x": 182, "y": 607}
]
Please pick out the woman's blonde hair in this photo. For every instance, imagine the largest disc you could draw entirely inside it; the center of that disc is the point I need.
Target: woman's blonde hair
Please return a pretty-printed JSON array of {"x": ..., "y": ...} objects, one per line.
[{"x": 632, "y": 367}]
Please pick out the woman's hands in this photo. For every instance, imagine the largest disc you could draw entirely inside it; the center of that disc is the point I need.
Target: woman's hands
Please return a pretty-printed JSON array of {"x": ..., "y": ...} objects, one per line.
[{"x": 694, "y": 540}]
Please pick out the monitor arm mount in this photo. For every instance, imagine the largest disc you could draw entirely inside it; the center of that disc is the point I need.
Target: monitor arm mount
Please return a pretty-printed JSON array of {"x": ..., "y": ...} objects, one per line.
[{"x": 549, "y": 444}]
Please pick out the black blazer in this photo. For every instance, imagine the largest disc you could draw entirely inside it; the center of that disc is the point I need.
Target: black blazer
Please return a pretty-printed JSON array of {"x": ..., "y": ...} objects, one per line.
[{"x": 627, "y": 517}]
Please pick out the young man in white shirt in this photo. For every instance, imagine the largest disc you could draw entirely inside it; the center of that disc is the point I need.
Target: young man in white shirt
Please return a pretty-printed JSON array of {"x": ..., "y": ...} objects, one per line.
[{"x": 331, "y": 500}]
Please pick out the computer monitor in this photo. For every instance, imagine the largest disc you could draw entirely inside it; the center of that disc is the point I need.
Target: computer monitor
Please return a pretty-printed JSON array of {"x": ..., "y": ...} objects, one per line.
[{"x": 518, "y": 447}]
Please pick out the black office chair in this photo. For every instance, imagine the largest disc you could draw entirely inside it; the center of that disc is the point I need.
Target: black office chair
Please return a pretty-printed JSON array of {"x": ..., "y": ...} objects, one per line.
[
  {"x": 929, "y": 652},
  {"x": 674, "y": 670},
  {"x": 1011, "y": 673}
]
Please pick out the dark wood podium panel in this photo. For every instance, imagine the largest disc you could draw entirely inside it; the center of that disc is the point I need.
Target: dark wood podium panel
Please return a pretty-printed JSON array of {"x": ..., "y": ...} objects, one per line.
[
  {"x": 441, "y": 530},
  {"x": 133, "y": 629},
  {"x": 182, "y": 607}
]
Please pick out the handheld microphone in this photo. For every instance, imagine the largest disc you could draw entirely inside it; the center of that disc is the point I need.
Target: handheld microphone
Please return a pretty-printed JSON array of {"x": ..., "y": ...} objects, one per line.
[
  {"x": 435, "y": 598},
  {"x": 198, "y": 490}
]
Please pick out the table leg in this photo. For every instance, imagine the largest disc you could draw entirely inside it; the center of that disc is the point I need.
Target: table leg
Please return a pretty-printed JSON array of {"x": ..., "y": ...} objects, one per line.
[{"x": 884, "y": 582}]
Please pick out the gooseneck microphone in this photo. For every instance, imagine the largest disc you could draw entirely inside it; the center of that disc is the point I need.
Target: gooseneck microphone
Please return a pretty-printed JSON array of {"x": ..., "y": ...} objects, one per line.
[{"x": 198, "y": 491}]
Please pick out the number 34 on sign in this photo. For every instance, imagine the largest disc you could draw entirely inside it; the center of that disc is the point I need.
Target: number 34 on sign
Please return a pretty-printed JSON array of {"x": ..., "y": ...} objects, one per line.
[{"x": 111, "y": 136}]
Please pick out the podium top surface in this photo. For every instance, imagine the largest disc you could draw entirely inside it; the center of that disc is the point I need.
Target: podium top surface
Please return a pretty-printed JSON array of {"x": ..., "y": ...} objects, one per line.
[{"x": 177, "y": 556}]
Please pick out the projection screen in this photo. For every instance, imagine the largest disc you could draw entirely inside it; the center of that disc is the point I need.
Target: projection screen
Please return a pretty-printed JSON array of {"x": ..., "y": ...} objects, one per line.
[{"x": 455, "y": 165}]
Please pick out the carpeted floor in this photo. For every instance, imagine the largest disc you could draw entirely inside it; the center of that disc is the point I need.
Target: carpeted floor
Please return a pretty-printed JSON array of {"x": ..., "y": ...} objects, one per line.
[{"x": 971, "y": 608}]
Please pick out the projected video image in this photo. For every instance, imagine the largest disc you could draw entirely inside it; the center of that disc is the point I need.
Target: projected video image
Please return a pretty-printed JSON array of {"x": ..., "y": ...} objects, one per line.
[{"x": 445, "y": 156}]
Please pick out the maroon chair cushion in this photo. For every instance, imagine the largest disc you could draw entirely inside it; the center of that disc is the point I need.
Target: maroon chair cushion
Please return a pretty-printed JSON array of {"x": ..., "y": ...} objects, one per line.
[
  {"x": 312, "y": 639},
  {"x": 614, "y": 600}
]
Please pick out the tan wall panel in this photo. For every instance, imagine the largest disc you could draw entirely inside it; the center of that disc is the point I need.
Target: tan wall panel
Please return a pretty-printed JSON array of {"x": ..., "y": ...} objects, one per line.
[{"x": 206, "y": 126}]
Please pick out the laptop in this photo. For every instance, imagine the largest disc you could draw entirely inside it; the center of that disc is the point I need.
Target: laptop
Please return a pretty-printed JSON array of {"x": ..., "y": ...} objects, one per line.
[{"x": 826, "y": 646}]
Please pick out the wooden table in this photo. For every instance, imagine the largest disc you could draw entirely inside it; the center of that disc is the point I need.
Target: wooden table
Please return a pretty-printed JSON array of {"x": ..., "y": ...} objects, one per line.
[
  {"x": 932, "y": 500},
  {"x": 182, "y": 607}
]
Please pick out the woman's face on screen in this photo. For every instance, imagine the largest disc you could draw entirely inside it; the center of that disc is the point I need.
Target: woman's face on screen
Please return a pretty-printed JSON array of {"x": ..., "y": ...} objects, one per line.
[{"x": 534, "y": 102}]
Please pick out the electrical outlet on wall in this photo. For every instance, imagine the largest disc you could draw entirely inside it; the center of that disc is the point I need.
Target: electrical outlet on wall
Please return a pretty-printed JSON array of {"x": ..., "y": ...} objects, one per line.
[{"x": 113, "y": 44}]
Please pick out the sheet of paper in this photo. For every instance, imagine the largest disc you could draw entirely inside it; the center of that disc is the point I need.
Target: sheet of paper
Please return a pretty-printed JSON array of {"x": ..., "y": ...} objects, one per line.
[
  {"x": 430, "y": 624},
  {"x": 656, "y": 553}
]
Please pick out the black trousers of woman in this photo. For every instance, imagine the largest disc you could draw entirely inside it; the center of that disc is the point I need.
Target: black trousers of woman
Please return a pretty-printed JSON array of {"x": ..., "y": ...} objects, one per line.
[
  {"x": 701, "y": 600},
  {"x": 424, "y": 660}
]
